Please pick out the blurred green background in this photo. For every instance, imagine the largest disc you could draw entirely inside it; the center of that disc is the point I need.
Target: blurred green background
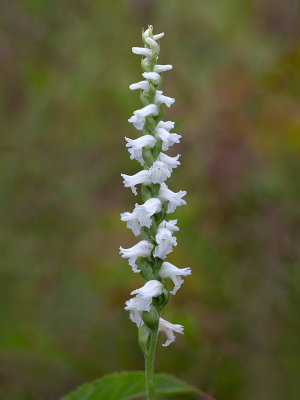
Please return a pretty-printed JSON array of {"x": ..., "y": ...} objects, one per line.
[{"x": 65, "y": 68}]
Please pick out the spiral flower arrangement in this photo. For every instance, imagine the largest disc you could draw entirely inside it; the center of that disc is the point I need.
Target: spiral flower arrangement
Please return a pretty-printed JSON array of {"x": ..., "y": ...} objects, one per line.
[{"x": 149, "y": 220}]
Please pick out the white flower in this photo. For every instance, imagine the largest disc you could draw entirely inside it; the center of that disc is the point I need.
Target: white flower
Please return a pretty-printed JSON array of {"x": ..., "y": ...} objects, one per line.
[
  {"x": 159, "y": 172},
  {"x": 152, "y": 76},
  {"x": 168, "y": 125},
  {"x": 142, "y": 85},
  {"x": 141, "y": 215},
  {"x": 145, "y": 211},
  {"x": 171, "y": 225},
  {"x": 136, "y": 146},
  {"x": 170, "y": 162},
  {"x": 138, "y": 119},
  {"x": 162, "y": 68},
  {"x": 169, "y": 329},
  {"x": 155, "y": 37},
  {"x": 141, "y": 249},
  {"x": 152, "y": 43},
  {"x": 158, "y": 36},
  {"x": 143, "y": 299},
  {"x": 174, "y": 199},
  {"x": 138, "y": 178},
  {"x": 161, "y": 99},
  {"x": 131, "y": 222},
  {"x": 142, "y": 51},
  {"x": 167, "y": 138},
  {"x": 164, "y": 239},
  {"x": 169, "y": 270}
]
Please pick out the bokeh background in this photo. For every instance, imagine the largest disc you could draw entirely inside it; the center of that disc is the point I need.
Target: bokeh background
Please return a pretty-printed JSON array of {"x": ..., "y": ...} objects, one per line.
[{"x": 65, "y": 68}]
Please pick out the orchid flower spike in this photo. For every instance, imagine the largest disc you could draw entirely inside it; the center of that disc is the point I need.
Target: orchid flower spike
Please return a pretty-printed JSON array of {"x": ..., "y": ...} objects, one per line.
[{"x": 149, "y": 219}]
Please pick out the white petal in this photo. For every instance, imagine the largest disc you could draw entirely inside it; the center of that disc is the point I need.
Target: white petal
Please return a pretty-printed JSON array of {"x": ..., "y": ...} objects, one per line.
[
  {"x": 145, "y": 211},
  {"x": 158, "y": 36},
  {"x": 152, "y": 76},
  {"x": 169, "y": 329},
  {"x": 142, "y": 85},
  {"x": 167, "y": 138},
  {"x": 174, "y": 199},
  {"x": 132, "y": 222},
  {"x": 142, "y": 51},
  {"x": 133, "y": 180},
  {"x": 159, "y": 172},
  {"x": 141, "y": 249},
  {"x": 136, "y": 146},
  {"x": 146, "y": 33},
  {"x": 165, "y": 241},
  {"x": 162, "y": 68},
  {"x": 167, "y": 125},
  {"x": 161, "y": 99},
  {"x": 143, "y": 299},
  {"x": 139, "y": 117},
  {"x": 171, "y": 225},
  {"x": 169, "y": 270},
  {"x": 152, "y": 43},
  {"x": 170, "y": 162}
]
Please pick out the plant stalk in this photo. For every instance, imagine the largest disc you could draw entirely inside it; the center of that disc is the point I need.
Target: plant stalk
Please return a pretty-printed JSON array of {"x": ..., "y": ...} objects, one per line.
[{"x": 149, "y": 366}]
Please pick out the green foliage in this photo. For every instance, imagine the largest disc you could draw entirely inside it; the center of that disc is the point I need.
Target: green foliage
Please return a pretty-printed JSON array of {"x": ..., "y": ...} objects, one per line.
[{"x": 129, "y": 386}]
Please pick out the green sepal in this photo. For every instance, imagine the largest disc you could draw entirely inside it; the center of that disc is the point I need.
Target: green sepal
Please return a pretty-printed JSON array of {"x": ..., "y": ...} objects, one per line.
[
  {"x": 155, "y": 189},
  {"x": 156, "y": 267},
  {"x": 150, "y": 125},
  {"x": 145, "y": 68},
  {"x": 148, "y": 157},
  {"x": 151, "y": 318},
  {"x": 144, "y": 99},
  {"x": 146, "y": 268},
  {"x": 151, "y": 93},
  {"x": 158, "y": 117},
  {"x": 144, "y": 336},
  {"x": 156, "y": 149},
  {"x": 162, "y": 300},
  {"x": 146, "y": 192}
]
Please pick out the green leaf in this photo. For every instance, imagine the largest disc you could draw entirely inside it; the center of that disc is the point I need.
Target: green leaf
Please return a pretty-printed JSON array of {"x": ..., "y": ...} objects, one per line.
[{"x": 129, "y": 386}]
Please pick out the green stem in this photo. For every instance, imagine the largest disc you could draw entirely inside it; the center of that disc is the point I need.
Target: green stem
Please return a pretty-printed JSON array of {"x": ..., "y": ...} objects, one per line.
[{"x": 149, "y": 366}]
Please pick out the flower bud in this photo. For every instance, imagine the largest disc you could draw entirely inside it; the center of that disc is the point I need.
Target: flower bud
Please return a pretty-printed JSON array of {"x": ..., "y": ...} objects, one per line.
[
  {"x": 151, "y": 318},
  {"x": 144, "y": 336}
]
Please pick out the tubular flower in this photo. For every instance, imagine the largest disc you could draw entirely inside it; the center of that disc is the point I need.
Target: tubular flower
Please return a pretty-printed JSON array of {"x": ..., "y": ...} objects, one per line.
[
  {"x": 170, "y": 162},
  {"x": 174, "y": 199},
  {"x": 164, "y": 239},
  {"x": 149, "y": 220},
  {"x": 169, "y": 329},
  {"x": 143, "y": 299},
  {"x": 136, "y": 146},
  {"x": 169, "y": 270},
  {"x": 138, "y": 178},
  {"x": 139, "y": 116},
  {"x": 141, "y": 249},
  {"x": 167, "y": 138},
  {"x": 141, "y": 215}
]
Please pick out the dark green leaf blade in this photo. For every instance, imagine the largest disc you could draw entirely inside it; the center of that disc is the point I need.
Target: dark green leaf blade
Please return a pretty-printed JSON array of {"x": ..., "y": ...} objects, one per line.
[{"x": 129, "y": 386}]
